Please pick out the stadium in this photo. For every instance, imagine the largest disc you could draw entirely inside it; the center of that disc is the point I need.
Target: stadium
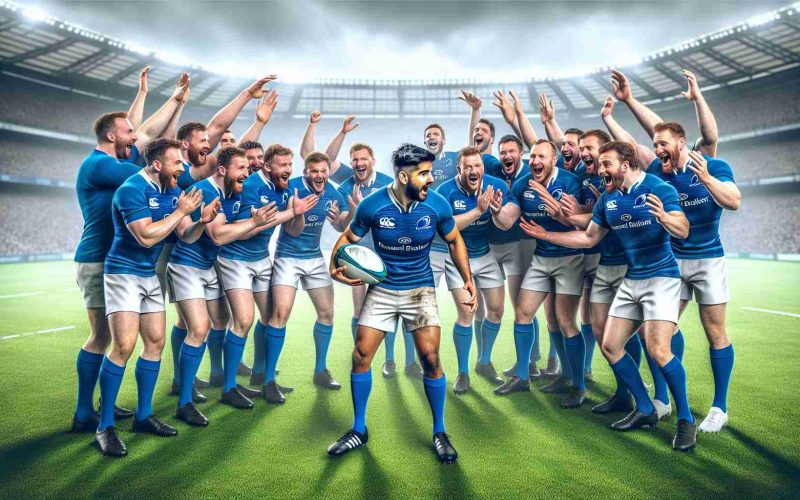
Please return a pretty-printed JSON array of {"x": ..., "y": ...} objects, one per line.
[{"x": 58, "y": 77}]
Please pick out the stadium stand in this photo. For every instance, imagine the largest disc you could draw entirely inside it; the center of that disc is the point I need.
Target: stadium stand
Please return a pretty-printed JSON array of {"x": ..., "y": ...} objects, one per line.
[
  {"x": 766, "y": 223},
  {"x": 26, "y": 155},
  {"x": 38, "y": 221}
]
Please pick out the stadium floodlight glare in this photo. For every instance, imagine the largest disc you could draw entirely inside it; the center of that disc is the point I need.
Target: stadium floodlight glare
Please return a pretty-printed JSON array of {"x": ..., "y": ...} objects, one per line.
[{"x": 34, "y": 13}]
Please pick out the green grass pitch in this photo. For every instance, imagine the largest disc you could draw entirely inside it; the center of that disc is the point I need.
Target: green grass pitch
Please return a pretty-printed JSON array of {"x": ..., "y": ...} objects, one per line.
[{"x": 523, "y": 446}]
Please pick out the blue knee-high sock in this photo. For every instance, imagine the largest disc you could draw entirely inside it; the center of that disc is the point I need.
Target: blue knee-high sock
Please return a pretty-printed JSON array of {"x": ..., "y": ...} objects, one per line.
[
  {"x": 176, "y": 339},
  {"x": 216, "y": 338},
  {"x": 523, "y": 343},
  {"x": 353, "y": 327},
  {"x": 360, "y": 387},
  {"x": 110, "y": 382},
  {"x": 233, "y": 349},
  {"x": 388, "y": 344},
  {"x": 536, "y": 354},
  {"x": 322, "y": 340},
  {"x": 462, "y": 338},
  {"x": 88, "y": 370},
  {"x": 557, "y": 343},
  {"x": 634, "y": 349},
  {"x": 661, "y": 391},
  {"x": 721, "y": 366},
  {"x": 275, "y": 339},
  {"x": 490, "y": 331},
  {"x": 628, "y": 373},
  {"x": 677, "y": 345},
  {"x": 676, "y": 378},
  {"x": 435, "y": 390},
  {"x": 146, "y": 376},
  {"x": 190, "y": 360},
  {"x": 259, "y": 348},
  {"x": 589, "y": 341},
  {"x": 575, "y": 348},
  {"x": 408, "y": 343},
  {"x": 479, "y": 339}
]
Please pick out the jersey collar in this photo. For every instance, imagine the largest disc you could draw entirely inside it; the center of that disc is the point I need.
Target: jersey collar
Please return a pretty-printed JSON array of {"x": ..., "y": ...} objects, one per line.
[
  {"x": 370, "y": 180},
  {"x": 265, "y": 179},
  {"x": 150, "y": 181},
  {"x": 219, "y": 189},
  {"x": 397, "y": 203},
  {"x": 552, "y": 178},
  {"x": 638, "y": 181},
  {"x": 463, "y": 188},
  {"x": 683, "y": 167}
]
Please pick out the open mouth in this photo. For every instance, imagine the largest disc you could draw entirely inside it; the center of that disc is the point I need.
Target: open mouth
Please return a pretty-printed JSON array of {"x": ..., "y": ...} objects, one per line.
[
  {"x": 588, "y": 161},
  {"x": 567, "y": 157},
  {"x": 478, "y": 140},
  {"x": 537, "y": 170},
  {"x": 665, "y": 160},
  {"x": 432, "y": 143},
  {"x": 361, "y": 170},
  {"x": 608, "y": 182}
]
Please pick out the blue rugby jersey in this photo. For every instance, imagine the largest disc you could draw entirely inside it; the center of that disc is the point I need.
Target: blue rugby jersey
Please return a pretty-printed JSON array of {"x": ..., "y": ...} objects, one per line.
[
  {"x": 403, "y": 238},
  {"x": 203, "y": 252},
  {"x": 531, "y": 206},
  {"x": 476, "y": 235},
  {"x": 444, "y": 169},
  {"x": 645, "y": 241},
  {"x": 258, "y": 191},
  {"x": 378, "y": 180},
  {"x": 587, "y": 197},
  {"x": 496, "y": 235},
  {"x": 99, "y": 176},
  {"x": 306, "y": 245},
  {"x": 702, "y": 211},
  {"x": 186, "y": 180},
  {"x": 138, "y": 198}
]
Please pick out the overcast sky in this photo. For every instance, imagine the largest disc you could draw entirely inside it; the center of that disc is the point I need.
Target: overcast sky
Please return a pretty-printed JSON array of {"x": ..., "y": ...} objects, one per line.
[{"x": 303, "y": 39}]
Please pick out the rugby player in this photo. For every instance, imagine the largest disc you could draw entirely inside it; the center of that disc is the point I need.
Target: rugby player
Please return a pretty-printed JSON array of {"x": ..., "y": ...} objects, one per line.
[
  {"x": 403, "y": 218},
  {"x": 101, "y": 173},
  {"x": 298, "y": 260},
  {"x": 645, "y": 213},
  {"x": 481, "y": 131},
  {"x": 194, "y": 285},
  {"x": 554, "y": 268},
  {"x": 338, "y": 171},
  {"x": 706, "y": 187},
  {"x": 469, "y": 195},
  {"x": 227, "y": 140},
  {"x": 134, "y": 302}
]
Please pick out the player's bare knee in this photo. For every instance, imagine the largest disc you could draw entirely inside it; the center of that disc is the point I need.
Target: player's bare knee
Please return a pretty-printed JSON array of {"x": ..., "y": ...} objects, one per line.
[
  {"x": 659, "y": 352},
  {"x": 430, "y": 363},
  {"x": 325, "y": 317},
  {"x": 361, "y": 360}
]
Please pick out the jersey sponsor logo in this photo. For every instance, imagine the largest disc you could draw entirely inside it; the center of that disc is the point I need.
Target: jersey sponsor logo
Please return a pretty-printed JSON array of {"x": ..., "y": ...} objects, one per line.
[
  {"x": 640, "y": 201},
  {"x": 153, "y": 202},
  {"x": 264, "y": 199},
  {"x": 586, "y": 183},
  {"x": 683, "y": 197},
  {"x": 438, "y": 172},
  {"x": 405, "y": 240},
  {"x": 632, "y": 224},
  {"x": 403, "y": 248},
  {"x": 424, "y": 223},
  {"x": 626, "y": 217},
  {"x": 695, "y": 202},
  {"x": 542, "y": 207},
  {"x": 611, "y": 205},
  {"x": 313, "y": 218},
  {"x": 529, "y": 195},
  {"x": 386, "y": 222},
  {"x": 236, "y": 207},
  {"x": 589, "y": 201},
  {"x": 557, "y": 193},
  {"x": 460, "y": 205}
]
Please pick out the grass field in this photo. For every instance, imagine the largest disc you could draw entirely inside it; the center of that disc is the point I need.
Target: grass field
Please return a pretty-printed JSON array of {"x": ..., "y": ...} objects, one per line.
[{"x": 517, "y": 447}]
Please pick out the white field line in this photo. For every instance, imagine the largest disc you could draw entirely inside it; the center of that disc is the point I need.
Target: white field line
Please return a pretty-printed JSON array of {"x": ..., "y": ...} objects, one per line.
[
  {"x": 38, "y": 332},
  {"x": 17, "y": 295},
  {"x": 770, "y": 311}
]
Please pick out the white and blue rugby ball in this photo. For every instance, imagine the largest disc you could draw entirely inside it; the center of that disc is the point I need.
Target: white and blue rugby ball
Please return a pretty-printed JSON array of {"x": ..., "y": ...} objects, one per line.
[{"x": 361, "y": 263}]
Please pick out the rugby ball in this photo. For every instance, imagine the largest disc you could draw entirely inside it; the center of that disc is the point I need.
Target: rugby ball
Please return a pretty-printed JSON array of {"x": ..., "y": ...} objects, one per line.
[{"x": 361, "y": 263}]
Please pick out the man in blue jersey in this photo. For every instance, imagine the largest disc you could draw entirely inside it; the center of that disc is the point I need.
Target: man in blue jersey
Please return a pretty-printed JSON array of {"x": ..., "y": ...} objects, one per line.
[
  {"x": 133, "y": 298},
  {"x": 194, "y": 285},
  {"x": 299, "y": 261},
  {"x": 469, "y": 195},
  {"x": 338, "y": 171},
  {"x": 100, "y": 174},
  {"x": 553, "y": 269},
  {"x": 403, "y": 218},
  {"x": 481, "y": 131},
  {"x": 244, "y": 266},
  {"x": 645, "y": 213}
]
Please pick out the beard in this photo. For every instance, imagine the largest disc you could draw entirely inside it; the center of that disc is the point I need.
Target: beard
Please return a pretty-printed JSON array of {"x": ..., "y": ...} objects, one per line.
[{"x": 416, "y": 193}]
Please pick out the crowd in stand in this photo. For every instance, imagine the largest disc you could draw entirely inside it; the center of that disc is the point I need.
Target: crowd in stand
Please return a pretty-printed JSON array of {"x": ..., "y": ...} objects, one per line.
[{"x": 54, "y": 226}]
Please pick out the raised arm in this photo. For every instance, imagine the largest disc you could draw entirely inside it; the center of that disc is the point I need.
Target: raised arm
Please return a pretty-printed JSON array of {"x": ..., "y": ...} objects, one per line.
[
  {"x": 470, "y": 216},
  {"x": 264, "y": 110},
  {"x": 136, "y": 111},
  {"x": 527, "y": 134},
  {"x": 225, "y": 117},
  {"x": 154, "y": 126},
  {"x": 646, "y": 117},
  {"x": 547, "y": 113},
  {"x": 474, "y": 102},
  {"x": 507, "y": 109},
  {"x": 709, "y": 134},
  {"x": 644, "y": 155},
  {"x": 333, "y": 147},
  {"x": 309, "y": 142},
  {"x": 149, "y": 233},
  {"x": 171, "y": 129}
]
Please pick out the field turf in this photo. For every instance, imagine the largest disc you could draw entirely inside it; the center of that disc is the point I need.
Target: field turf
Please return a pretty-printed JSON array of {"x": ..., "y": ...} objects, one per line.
[{"x": 523, "y": 446}]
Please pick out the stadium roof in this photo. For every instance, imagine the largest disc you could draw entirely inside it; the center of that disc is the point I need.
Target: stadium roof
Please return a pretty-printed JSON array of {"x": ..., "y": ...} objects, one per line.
[{"x": 36, "y": 45}]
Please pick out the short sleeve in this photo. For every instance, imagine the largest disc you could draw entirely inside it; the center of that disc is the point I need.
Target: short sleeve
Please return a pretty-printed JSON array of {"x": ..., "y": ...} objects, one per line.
[
  {"x": 515, "y": 193},
  {"x": 362, "y": 220},
  {"x": 340, "y": 200},
  {"x": 599, "y": 213},
  {"x": 501, "y": 186},
  {"x": 445, "y": 215},
  {"x": 669, "y": 197},
  {"x": 343, "y": 173},
  {"x": 109, "y": 173},
  {"x": 250, "y": 199},
  {"x": 721, "y": 170},
  {"x": 132, "y": 204}
]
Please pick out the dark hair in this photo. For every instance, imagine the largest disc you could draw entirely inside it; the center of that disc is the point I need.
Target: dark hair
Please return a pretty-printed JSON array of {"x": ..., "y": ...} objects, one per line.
[
  {"x": 410, "y": 155},
  {"x": 435, "y": 125},
  {"x": 225, "y": 156},
  {"x": 601, "y": 135},
  {"x": 551, "y": 143},
  {"x": 623, "y": 150},
  {"x": 189, "y": 128},
  {"x": 106, "y": 123},
  {"x": 511, "y": 138},
  {"x": 316, "y": 157},
  {"x": 488, "y": 124},
  {"x": 575, "y": 131},
  {"x": 674, "y": 127},
  {"x": 251, "y": 145},
  {"x": 468, "y": 151},
  {"x": 276, "y": 150},
  {"x": 156, "y": 149}
]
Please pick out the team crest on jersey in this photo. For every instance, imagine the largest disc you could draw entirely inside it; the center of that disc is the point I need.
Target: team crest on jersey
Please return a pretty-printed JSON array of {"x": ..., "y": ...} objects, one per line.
[
  {"x": 313, "y": 218},
  {"x": 328, "y": 205},
  {"x": 557, "y": 193},
  {"x": 694, "y": 181},
  {"x": 611, "y": 205},
  {"x": 460, "y": 205},
  {"x": 405, "y": 240},
  {"x": 626, "y": 217},
  {"x": 236, "y": 206},
  {"x": 386, "y": 222},
  {"x": 424, "y": 223},
  {"x": 264, "y": 199},
  {"x": 174, "y": 201},
  {"x": 438, "y": 173},
  {"x": 641, "y": 201},
  {"x": 285, "y": 198},
  {"x": 586, "y": 183},
  {"x": 153, "y": 202}
]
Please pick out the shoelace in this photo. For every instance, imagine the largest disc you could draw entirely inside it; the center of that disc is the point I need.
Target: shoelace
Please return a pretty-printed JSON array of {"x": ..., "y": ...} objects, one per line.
[{"x": 112, "y": 437}]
